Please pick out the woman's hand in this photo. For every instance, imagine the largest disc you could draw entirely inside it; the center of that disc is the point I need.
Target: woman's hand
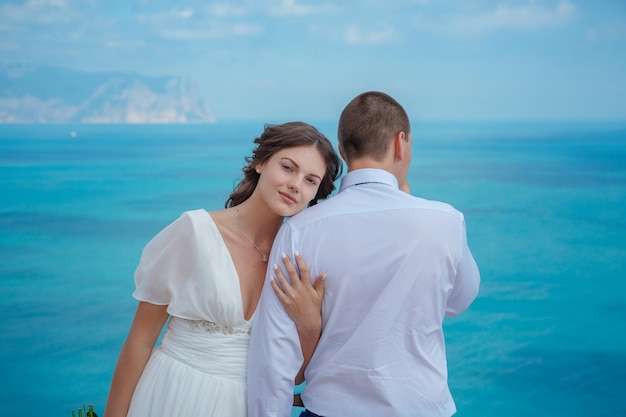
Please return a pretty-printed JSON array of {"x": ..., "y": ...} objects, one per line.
[
  {"x": 303, "y": 303},
  {"x": 301, "y": 299}
]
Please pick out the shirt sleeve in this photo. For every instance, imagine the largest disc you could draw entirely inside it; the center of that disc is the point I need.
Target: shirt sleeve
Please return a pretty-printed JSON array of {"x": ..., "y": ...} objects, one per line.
[
  {"x": 466, "y": 281},
  {"x": 166, "y": 262},
  {"x": 274, "y": 356}
]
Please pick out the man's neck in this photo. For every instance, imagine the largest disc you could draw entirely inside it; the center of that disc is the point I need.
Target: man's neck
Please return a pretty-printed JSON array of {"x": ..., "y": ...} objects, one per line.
[{"x": 363, "y": 163}]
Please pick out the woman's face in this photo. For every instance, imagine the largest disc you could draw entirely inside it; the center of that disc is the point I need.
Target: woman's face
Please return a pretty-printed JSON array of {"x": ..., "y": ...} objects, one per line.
[{"x": 291, "y": 178}]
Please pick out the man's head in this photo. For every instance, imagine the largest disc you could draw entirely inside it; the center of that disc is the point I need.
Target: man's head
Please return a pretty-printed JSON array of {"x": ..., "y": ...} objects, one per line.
[{"x": 374, "y": 131}]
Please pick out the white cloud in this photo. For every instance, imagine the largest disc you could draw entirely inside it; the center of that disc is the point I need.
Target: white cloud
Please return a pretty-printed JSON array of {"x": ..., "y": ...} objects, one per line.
[
  {"x": 211, "y": 22},
  {"x": 353, "y": 35},
  {"x": 9, "y": 46},
  {"x": 185, "y": 13},
  {"x": 212, "y": 30},
  {"x": 63, "y": 4},
  {"x": 227, "y": 10},
  {"x": 185, "y": 34},
  {"x": 527, "y": 16},
  {"x": 38, "y": 11},
  {"x": 288, "y": 8},
  {"x": 173, "y": 15},
  {"x": 608, "y": 31},
  {"x": 124, "y": 44},
  {"x": 245, "y": 29}
]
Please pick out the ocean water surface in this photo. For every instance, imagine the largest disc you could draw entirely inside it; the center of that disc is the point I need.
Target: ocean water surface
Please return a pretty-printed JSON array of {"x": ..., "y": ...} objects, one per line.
[{"x": 545, "y": 207}]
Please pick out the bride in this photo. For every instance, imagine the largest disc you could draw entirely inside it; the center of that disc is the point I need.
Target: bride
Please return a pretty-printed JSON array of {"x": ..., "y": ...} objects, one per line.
[{"x": 203, "y": 275}]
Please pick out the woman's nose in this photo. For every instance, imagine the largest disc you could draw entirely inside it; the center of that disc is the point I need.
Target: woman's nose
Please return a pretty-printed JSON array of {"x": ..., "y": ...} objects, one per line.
[{"x": 294, "y": 184}]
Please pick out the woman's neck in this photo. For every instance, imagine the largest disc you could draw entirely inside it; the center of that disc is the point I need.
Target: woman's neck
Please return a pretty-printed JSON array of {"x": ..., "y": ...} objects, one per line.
[{"x": 258, "y": 221}]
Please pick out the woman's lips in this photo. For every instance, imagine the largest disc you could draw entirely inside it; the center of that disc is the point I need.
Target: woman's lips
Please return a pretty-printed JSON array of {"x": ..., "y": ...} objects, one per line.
[{"x": 288, "y": 197}]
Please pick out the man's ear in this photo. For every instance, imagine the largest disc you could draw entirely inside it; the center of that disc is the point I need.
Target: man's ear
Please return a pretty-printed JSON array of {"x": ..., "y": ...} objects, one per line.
[
  {"x": 341, "y": 153},
  {"x": 399, "y": 146}
]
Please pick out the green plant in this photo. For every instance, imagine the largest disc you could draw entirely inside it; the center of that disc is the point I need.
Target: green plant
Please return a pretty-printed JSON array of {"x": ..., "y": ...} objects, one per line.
[{"x": 86, "y": 412}]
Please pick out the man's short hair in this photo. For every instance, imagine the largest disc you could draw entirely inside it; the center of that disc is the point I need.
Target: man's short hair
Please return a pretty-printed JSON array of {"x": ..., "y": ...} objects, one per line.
[{"x": 368, "y": 123}]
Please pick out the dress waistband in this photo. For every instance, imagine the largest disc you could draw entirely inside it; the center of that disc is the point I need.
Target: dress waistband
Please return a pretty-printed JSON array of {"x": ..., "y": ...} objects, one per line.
[
  {"x": 211, "y": 327},
  {"x": 208, "y": 347}
]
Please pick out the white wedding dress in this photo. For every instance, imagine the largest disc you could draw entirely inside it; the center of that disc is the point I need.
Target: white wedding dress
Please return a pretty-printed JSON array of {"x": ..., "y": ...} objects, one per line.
[{"x": 199, "y": 369}]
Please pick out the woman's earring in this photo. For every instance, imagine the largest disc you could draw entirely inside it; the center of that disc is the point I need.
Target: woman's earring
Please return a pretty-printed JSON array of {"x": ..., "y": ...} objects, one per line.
[{"x": 258, "y": 171}]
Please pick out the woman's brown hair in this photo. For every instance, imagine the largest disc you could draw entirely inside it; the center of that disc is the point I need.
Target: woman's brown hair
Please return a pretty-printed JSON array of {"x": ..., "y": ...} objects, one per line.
[{"x": 287, "y": 135}]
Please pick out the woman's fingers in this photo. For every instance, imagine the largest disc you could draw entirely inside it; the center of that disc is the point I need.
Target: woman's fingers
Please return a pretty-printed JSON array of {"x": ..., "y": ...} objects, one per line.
[
  {"x": 301, "y": 298},
  {"x": 298, "y": 288},
  {"x": 301, "y": 276},
  {"x": 304, "y": 269},
  {"x": 295, "y": 278},
  {"x": 280, "y": 284},
  {"x": 319, "y": 285},
  {"x": 279, "y": 292}
]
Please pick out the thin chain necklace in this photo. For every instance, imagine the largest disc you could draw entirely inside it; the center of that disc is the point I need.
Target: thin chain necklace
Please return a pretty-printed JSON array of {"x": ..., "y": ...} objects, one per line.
[{"x": 263, "y": 254}]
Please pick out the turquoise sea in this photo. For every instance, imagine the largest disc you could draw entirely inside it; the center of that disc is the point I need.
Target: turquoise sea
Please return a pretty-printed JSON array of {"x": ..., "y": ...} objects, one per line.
[{"x": 545, "y": 205}]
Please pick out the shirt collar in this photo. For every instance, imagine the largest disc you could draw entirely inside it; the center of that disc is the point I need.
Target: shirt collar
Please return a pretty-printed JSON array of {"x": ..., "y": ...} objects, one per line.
[{"x": 367, "y": 175}]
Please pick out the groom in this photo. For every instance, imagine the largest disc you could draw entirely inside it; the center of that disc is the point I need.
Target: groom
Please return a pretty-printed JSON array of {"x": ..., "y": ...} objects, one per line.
[{"x": 396, "y": 265}]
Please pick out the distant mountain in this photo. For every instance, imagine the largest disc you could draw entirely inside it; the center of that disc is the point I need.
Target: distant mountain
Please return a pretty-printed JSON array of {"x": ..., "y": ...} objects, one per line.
[{"x": 37, "y": 94}]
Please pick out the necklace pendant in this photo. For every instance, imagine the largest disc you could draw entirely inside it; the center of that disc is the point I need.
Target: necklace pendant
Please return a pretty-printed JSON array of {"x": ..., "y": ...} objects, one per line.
[{"x": 264, "y": 258}]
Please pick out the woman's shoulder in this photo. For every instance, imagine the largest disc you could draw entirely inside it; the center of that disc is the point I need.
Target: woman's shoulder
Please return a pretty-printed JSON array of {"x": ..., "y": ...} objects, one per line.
[
  {"x": 189, "y": 223},
  {"x": 196, "y": 214},
  {"x": 203, "y": 224},
  {"x": 196, "y": 218}
]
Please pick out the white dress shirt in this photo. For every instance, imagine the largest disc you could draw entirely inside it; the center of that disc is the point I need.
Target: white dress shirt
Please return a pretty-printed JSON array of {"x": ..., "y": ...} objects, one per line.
[{"x": 396, "y": 265}]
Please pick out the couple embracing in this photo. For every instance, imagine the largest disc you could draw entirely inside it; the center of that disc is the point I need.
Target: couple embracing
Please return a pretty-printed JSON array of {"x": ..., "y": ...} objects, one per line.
[{"x": 353, "y": 300}]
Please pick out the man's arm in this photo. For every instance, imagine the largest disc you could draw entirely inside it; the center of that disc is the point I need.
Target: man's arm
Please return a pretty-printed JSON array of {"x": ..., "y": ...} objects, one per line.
[
  {"x": 274, "y": 355},
  {"x": 466, "y": 282},
  {"x": 303, "y": 303}
]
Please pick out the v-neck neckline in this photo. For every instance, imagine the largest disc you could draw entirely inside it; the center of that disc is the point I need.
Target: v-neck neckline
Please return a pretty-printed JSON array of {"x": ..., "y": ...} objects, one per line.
[{"x": 234, "y": 268}]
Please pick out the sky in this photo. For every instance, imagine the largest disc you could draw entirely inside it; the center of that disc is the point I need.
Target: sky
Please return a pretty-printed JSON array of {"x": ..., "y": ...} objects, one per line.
[{"x": 305, "y": 59}]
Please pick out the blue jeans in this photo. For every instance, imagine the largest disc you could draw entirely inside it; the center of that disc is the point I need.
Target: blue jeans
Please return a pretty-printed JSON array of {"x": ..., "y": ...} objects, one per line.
[{"x": 307, "y": 413}]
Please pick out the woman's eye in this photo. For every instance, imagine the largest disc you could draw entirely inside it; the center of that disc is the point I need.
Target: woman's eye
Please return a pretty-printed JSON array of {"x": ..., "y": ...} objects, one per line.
[
  {"x": 288, "y": 168},
  {"x": 312, "y": 181}
]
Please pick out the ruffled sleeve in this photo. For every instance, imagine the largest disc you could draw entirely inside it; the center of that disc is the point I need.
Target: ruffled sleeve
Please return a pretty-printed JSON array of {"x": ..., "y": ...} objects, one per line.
[{"x": 166, "y": 263}]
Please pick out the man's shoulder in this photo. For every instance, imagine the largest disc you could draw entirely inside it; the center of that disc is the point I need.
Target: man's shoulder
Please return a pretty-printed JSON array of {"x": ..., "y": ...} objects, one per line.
[
  {"x": 321, "y": 210},
  {"x": 439, "y": 206},
  {"x": 340, "y": 205}
]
